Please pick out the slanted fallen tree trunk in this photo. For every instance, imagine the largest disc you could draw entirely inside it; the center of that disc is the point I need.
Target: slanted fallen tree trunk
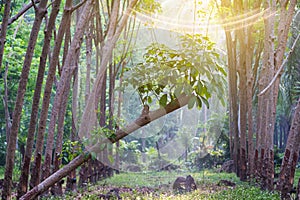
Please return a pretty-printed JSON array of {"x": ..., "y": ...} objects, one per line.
[{"x": 141, "y": 121}]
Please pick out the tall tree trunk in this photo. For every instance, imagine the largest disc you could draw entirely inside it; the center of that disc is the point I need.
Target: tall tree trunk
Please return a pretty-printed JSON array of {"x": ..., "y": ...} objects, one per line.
[
  {"x": 232, "y": 83},
  {"x": 57, "y": 189},
  {"x": 109, "y": 45},
  {"x": 5, "y": 102},
  {"x": 232, "y": 79},
  {"x": 71, "y": 180},
  {"x": 66, "y": 73},
  {"x": 117, "y": 166},
  {"x": 250, "y": 83},
  {"x": 111, "y": 108},
  {"x": 243, "y": 107},
  {"x": 3, "y": 30},
  {"x": 270, "y": 93},
  {"x": 35, "y": 176},
  {"x": 264, "y": 101},
  {"x": 89, "y": 49},
  {"x": 11, "y": 146},
  {"x": 22, "y": 186},
  {"x": 291, "y": 155},
  {"x": 102, "y": 120}
]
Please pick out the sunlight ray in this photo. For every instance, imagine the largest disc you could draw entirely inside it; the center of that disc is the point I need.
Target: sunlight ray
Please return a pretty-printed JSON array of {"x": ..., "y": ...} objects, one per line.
[{"x": 182, "y": 19}]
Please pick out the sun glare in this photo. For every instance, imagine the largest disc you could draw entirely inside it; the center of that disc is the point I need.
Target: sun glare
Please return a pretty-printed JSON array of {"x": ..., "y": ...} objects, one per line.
[{"x": 195, "y": 16}]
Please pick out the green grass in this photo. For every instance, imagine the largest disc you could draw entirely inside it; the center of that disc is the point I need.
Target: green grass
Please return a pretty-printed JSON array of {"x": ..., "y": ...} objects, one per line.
[
  {"x": 297, "y": 176},
  {"x": 159, "y": 187},
  {"x": 2, "y": 171},
  {"x": 156, "y": 179}
]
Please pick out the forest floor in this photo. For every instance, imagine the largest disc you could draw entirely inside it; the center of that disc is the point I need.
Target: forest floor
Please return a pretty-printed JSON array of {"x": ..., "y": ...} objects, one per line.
[{"x": 158, "y": 186}]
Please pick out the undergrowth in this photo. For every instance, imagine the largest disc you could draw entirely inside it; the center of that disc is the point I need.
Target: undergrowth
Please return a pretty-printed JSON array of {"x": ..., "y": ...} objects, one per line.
[{"x": 158, "y": 186}]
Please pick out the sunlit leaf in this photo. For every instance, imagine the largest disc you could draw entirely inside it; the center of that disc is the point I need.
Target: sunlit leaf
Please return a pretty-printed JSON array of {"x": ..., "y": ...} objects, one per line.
[
  {"x": 205, "y": 101},
  {"x": 163, "y": 100},
  {"x": 192, "y": 102}
]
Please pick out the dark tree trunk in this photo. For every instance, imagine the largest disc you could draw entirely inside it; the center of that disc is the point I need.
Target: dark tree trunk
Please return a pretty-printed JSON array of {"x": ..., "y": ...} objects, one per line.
[
  {"x": 35, "y": 175},
  {"x": 291, "y": 155},
  {"x": 11, "y": 146},
  {"x": 5, "y": 102},
  {"x": 3, "y": 30},
  {"x": 57, "y": 190},
  {"x": 66, "y": 73},
  {"x": 71, "y": 180},
  {"x": 243, "y": 107},
  {"x": 232, "y": 77},
  {"x": 22, "y": 186}
]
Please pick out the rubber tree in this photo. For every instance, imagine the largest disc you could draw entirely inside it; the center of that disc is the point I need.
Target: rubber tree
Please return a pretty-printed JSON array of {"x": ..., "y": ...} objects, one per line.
[{"x": 40, "y": 12}]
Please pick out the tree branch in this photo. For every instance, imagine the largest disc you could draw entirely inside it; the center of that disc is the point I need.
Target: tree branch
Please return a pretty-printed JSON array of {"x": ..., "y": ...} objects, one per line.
[
  {"x": 34, "y": 5},
  {"x": 21, "y": 12},
  {"x": 280, "y": 68},
  {"x": 77, "y": 6},
  {"x": 83, "y": 157},
  {"x": 153, "y": 115}
]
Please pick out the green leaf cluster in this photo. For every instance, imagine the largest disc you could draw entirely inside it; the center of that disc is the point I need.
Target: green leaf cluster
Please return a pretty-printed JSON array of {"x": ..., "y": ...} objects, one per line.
[{"x": 192, "y": 68}]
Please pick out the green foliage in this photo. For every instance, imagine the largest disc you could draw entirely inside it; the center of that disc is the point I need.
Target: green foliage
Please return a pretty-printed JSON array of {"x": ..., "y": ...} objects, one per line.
[
  {"x": 211, "y": 146},
  {"x": 70, "y": 150},
  {"x": 2, "y": 150},
  {"x": 14, "y": 55},
  {"x": 129, "y": 151},
  {"x": 192, "y": 69},
  {"x": 278, "y": 156},
  {"x": 245, "y": 192},
  {"x": 149, "y": 6}
]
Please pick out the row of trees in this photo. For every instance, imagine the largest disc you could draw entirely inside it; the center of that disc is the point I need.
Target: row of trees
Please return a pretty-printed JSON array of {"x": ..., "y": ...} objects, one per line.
[
  {"x": 98, "y": 28},
  {"x": 256, "y": 58},
  {"x": 92, "y": 18},
  {"x": 175, "y": 77}
]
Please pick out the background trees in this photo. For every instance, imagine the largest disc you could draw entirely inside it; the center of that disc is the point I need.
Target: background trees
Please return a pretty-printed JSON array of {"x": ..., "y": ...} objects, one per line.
[
  {"x": 83, "y": 49},
  {"x": 248, "y": 76}
]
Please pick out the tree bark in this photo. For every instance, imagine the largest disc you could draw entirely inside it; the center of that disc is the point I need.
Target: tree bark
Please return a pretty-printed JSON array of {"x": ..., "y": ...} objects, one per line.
[
  {"x": 89, "y": 49},
  {"x": 20, "y": 13},
  {"x": 273, "y": 61},
  {"x": 35, "y": 176},
  {"x": 3, "y": 30},
  {"x": 22, "y": 186},
  {"x": 57, "y": 189},
  {"x": 232, "y": 79},
  {"x": 11, "y": 146},
  {"x": 291, "y": 155},
  {"x": 64, "y": 82},
  {"x": 71, "y": 180},
  {"x": 264, "y": 102},
  {"x": 108, "y": 47},
  {"x": 243, "y": 107},
  {"x": 5, "y": 103}
]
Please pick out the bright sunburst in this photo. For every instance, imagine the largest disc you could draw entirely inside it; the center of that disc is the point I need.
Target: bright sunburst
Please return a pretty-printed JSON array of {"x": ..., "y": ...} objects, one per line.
[{"x": 194, "y": 16}]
